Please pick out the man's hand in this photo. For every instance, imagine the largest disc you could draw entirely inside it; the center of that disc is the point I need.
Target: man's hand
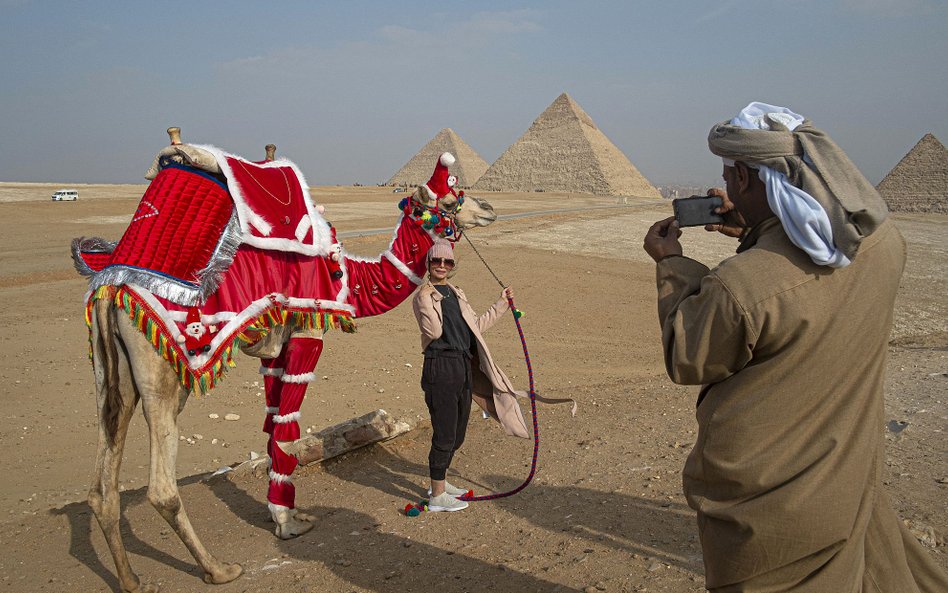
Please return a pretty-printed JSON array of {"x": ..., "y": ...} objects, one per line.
[
  {"x": 661, "y": 240},
  {"x": 733, "y": 225},
  {"x": 507, "y": 294}
]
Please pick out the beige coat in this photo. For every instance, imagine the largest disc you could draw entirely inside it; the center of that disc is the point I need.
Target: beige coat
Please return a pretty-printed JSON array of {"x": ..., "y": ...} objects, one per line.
[
  {"x": 785, "y": 470},
  {"x": 492, "y": 390}
]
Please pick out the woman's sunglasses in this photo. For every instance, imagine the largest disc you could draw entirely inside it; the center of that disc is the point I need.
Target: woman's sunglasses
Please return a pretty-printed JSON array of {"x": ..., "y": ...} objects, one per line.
[{"x": 437, "y": 261}]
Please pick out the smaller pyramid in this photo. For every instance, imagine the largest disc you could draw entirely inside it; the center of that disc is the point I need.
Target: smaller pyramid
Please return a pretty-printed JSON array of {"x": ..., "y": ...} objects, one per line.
[
  {"x": 468, "y": 167},
  {"x": 919, "y": 182},
  {"x": 564, "y": 151}
]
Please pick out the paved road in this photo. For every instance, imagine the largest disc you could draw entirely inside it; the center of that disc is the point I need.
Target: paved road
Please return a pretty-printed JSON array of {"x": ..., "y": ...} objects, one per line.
[{"x": 637, "y": 204}]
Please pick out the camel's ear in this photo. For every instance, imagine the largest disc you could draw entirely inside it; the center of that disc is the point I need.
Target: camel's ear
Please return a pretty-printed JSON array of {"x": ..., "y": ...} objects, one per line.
[{"x": 421, "y": 195}]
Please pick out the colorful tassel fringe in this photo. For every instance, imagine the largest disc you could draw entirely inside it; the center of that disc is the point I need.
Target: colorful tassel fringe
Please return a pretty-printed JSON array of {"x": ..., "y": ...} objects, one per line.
[{"x": 207, "y": 377}]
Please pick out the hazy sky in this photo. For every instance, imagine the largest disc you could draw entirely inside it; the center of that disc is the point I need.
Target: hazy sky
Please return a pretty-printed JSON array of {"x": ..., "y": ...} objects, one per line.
[{"x": 350, "y": 90}]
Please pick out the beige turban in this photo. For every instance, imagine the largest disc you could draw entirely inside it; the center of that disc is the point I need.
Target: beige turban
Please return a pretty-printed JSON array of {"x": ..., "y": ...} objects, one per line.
[{"x": 812, "y": 162}]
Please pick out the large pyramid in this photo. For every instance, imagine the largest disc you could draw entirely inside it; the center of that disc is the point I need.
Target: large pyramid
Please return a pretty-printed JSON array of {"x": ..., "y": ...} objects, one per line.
[
  {"x": 564, "y": 151},
  {"x": 919, "y": 183},
  {"x": 468, "y": 167}
]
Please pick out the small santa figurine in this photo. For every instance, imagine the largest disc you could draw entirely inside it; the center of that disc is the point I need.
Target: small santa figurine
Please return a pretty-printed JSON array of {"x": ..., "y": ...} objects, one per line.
[
  {"x": 197, "y": 336},
  {"x": 335, "y": 254}
]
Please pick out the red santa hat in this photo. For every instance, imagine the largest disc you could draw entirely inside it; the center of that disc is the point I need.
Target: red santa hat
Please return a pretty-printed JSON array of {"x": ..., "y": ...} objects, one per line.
[
  {"x": 194, "y": 316},
  {"x": 441, "y": 182}
]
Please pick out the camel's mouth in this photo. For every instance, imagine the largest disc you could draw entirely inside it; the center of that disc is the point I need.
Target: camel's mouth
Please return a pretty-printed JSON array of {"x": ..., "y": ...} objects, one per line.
[{"x": 476, "y": 212}]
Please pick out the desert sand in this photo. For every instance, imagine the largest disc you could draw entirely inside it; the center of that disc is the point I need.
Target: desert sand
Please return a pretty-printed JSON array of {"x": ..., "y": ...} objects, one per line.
[{"x": 605, "y": 512}]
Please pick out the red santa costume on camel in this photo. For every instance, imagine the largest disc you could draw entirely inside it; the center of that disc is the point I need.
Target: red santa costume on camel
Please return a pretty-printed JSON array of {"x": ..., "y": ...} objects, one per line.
[{"x": 241, "y": 258}]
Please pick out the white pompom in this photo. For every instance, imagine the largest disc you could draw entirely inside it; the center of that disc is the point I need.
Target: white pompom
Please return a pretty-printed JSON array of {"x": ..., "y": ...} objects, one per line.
[{"x": 447, "y": 159}]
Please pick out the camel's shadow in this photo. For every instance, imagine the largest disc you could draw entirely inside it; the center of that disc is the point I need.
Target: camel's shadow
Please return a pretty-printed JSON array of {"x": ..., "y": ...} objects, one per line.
[{"x": 82, "y": 523}]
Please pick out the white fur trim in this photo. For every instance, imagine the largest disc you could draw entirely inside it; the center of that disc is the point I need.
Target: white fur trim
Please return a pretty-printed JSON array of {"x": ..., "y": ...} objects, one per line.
[
  {"x": 280, "y": 478},
  {"x": 271, "y": 410},
  {"x": 402, "y": 267},
  {"x": 431, "y": 193},
  {"x": 253, "y": 310},
  {"x": 303, "y": 378},
  {"x": 271, "y": 372},
  {"x": 287, "y": 418},
  {"x": 447, "y": 159},
  {"x": 302, "y": 228},
  {"x": 258, "y": 222},
  {"x": 281, "y": 245},
  {"x": 322, "y": 239},
  {"x": 208, "y": 320},
  {"x": 321, "y": 304}
]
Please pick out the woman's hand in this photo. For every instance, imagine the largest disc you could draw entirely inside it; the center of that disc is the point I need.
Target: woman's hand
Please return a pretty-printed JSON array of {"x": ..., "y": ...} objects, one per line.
[{"x": 507, "y": 294}]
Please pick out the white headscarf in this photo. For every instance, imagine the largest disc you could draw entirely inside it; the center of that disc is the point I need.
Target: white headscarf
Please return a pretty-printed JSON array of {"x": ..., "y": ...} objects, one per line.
[{"x": 803, "y": 218}]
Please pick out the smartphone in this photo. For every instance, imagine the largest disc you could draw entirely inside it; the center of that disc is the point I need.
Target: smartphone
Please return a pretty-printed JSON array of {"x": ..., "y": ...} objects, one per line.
[{"x": 697, "y": 210}]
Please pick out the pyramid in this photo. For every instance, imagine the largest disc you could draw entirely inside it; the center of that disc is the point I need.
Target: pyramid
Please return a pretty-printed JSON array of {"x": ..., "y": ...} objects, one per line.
[
  {"x": 468, "y": 167},
  {"x": 564, "y": 151},
  {"x": 919, "y": 183}
]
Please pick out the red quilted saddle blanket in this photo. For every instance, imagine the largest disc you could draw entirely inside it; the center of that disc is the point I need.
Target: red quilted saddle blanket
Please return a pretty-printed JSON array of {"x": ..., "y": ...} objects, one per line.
[{"x": 173, "y": 232}]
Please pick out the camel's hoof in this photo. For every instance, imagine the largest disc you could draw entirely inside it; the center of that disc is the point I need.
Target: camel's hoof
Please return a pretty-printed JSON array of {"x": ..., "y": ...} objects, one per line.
[
  {"x": 305, "y": 517},
  {"x": 149, "y": 588},
  {"x": 228, "y": 573},
  {"x": 292, "y": 528}
]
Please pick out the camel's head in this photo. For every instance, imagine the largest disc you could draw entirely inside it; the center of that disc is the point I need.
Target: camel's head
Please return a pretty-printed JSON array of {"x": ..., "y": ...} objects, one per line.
[
  {"x": 462, "y": 211},
  {"x": 447, "y": 212}
]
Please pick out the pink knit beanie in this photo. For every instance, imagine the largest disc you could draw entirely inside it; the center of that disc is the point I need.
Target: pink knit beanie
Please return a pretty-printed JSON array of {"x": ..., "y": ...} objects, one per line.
[{"x": 442, "y": 249}]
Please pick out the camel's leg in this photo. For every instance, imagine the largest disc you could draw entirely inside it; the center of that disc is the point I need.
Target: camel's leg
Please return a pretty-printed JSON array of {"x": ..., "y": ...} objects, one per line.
[
  {"x": 284, "y": 399},
  {"x": 163, "y": 398},
  {"x": 115, "y": 400}
]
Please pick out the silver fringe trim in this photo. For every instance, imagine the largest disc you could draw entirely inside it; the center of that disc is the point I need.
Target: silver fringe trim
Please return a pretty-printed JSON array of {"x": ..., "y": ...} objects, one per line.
[
  {"x": 210, "y": 277},
  {"x": 89, "y": 245},
  {"x": 162, "y": 286}
]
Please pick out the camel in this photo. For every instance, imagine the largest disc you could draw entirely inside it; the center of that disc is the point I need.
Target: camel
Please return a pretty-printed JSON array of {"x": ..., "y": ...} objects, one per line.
[{"x": 128, "y": 370}]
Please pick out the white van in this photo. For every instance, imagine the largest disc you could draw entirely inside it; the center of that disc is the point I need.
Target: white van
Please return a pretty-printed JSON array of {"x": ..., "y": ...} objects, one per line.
[{"x": 66, "y": 195}]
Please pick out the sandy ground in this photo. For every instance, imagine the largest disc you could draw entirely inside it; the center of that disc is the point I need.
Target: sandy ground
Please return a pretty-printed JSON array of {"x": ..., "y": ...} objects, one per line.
[{"x": 605, "y": 512}]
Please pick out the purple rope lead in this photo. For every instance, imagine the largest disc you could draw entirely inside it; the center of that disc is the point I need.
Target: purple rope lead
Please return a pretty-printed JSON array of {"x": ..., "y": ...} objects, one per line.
[
  {"x": 536, "y": 425},
  {"x": 533, "y": 395}
]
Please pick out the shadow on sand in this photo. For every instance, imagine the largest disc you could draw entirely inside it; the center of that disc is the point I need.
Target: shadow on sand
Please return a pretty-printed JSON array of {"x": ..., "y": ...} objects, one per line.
[
  {"x": 82, "y": 523},
  {"x": 385, "y": 561}
]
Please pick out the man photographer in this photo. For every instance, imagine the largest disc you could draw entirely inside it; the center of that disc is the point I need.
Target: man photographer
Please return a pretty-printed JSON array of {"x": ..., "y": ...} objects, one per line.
[{"x": 788, "y": 339}]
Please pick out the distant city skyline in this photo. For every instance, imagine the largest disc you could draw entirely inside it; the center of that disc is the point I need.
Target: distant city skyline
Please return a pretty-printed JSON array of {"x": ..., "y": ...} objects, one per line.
[{"x": 351, "y": 91}]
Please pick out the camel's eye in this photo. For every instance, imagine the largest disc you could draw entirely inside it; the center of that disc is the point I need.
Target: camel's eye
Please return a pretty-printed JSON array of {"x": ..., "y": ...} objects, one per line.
[{"x": 449, "y": 203}]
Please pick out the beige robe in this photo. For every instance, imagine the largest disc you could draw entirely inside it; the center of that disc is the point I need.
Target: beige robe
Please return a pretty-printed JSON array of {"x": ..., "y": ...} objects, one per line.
[
  {"x": 785, "y": 474},
  {"x": 491, "y": 389}
]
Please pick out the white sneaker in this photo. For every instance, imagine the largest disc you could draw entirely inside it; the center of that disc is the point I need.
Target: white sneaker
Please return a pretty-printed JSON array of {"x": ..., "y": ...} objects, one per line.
[
  {"x": 445, "y": 502},
  {"x": 452, "y": 490}
]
